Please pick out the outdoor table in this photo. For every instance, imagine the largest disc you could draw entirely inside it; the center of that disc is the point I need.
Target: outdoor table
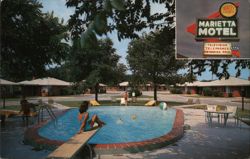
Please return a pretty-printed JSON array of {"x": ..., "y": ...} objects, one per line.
[{"x": 225, "y": 114}]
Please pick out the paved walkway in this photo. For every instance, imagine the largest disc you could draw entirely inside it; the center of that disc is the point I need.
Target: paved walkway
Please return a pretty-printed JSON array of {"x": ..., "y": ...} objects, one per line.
[
  {"x": 201, "y": 142},
  {"x": 207, "y": 100}
]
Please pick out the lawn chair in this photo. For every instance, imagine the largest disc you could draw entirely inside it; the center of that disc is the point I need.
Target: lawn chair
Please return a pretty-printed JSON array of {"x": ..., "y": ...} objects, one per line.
[
  {"x": 94, "y": 103},
  {"x": 211, "y": 108},
  {"x": 234, "y": 115},
  {"x": 151, "y": 103}
]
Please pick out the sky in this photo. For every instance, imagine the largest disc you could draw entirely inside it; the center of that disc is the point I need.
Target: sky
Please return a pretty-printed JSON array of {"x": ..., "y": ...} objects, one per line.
[{"x": 61, "y": 11}]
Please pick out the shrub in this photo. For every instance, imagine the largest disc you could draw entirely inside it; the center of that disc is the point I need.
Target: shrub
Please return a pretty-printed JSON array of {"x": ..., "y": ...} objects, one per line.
[
  {"x": 217, "y": 93},
  {"x": 67, "y": 91},
  {"x": 230, "y": 94},
  {"x": 207, "y": 92},
  {"x": 176, "y": 91},
  {"x": 102, "y": 90},
  {"x": 137, "y": 92}
]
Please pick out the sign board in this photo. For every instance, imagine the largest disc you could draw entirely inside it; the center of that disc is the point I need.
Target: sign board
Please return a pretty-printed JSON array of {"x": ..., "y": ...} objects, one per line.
[
  {"x": 226, "y": 29},
  {"x": 217, "y": 49},
  {"x": 212, "y": 29}
]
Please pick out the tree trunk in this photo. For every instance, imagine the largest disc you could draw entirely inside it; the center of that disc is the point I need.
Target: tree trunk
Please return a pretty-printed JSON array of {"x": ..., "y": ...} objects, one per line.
[
  {"x": 96, "y": 91},
  {"x": 3, "y": 95},
  {"x": 155, "y": 91}
]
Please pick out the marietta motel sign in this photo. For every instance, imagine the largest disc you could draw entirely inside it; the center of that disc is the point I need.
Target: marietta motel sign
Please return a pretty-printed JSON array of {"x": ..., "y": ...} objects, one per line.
[
  {"x": 217, "y": 28},
  {"x": 218, "y": 31}
]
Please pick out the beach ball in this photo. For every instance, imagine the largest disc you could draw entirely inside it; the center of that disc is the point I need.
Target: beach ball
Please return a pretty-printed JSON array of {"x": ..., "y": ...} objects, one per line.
[{"x": 163, "y": 106}]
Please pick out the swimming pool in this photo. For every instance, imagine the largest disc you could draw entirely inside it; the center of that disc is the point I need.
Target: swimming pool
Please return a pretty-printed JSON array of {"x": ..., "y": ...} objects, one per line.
[
  {"x": 123, "y": 124},
  {"x": 128, "y": 129}
]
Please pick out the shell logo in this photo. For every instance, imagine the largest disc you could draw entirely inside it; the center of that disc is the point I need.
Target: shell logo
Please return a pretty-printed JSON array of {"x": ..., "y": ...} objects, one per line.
[{"x": 228, "y": 10}]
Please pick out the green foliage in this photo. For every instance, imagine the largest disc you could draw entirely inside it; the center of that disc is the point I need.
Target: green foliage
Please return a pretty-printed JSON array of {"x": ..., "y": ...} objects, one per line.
[
  {"x": 88, "y": 39},
  {"x": 219, "y": 68},
  {"x": 128, "y": 17},
  {"x": 102, "y": 90},
  {"x": 175, "y": 91},
  {"x": 99, "y": 64},
  {"x": 217, "y": 93},
  {"x": 152, "y": 58},
  {"x": 230, "y": 94},
  {"x": 118, "y": 4},
  {"x": 207, "y": 91},
  {"x": 67, "y": 91},
  {"x": 30, "y": 40},
  {"x": 96, "y": 65},
  {"x": 100, "y": 24}
]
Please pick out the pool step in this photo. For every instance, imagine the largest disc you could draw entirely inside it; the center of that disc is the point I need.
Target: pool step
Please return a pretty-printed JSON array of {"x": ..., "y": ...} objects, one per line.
[{"x": 70, "y": 148}]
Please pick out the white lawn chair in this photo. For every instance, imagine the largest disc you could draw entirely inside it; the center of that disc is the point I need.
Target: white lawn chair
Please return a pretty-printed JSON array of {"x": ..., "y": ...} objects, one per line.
[
  {"x": 211, "y": 107},
  {"x": 212, "y": 115},
  {"x": 234, "y": 114}
]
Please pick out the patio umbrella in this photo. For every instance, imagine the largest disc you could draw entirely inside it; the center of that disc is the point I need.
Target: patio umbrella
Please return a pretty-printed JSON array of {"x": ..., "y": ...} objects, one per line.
[{"x": 3, "y": 84}]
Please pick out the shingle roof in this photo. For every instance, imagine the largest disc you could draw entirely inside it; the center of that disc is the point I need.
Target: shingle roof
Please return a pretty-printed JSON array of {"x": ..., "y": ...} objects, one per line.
[
  {"x": 5, "y": 82},
  {"x": 102, "y": 85},
  {"x": 232, "y": 81},
  {"x": 124, "y": 84},
  {"x": 48, "y": 81}
]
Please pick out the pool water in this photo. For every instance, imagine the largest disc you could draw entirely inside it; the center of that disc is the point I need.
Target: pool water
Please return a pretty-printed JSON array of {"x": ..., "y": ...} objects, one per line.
[{"x": 123, "y": 124}]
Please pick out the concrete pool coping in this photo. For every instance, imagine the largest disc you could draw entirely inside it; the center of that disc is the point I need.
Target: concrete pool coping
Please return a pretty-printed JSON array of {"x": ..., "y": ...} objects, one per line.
[{"x": 31, "y": 136}]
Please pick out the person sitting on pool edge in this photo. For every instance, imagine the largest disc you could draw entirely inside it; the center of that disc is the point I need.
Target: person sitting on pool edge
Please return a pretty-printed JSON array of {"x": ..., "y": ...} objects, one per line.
[
  {"x": 83, "y": 117},
  {"x": 25, "y": 110}
]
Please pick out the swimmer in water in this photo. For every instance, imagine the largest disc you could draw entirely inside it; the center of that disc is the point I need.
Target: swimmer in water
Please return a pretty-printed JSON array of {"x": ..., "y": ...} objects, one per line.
[
  {"x": 119, "y": 121},
  {"x": 133, "y": 117}
]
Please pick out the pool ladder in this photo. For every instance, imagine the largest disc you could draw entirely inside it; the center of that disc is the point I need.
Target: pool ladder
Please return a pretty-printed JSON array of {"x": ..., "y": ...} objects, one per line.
[{"x": 47, "y": 107}]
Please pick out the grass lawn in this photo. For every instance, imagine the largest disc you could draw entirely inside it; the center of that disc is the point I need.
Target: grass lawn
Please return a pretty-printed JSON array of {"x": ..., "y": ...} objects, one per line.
[
  {"x": 117, "y": 103},
  {"x": 246, "y": 100},
  {"x": 105, "y": 103},
  {"x": 12, "y": 107},
  {"x": 142, "y": 96}
]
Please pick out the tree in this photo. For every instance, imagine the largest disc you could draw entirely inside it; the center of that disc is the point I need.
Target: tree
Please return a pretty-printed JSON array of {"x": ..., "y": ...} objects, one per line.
[
  {"x": 219, "y": 68},
  {"x": 128, "y": 18},
  {"x": 152, "y": 58},
  {"x": 31, "y": 40},
  {"x": 60, "y": 71},
  {"x": 95, "y": 65}
]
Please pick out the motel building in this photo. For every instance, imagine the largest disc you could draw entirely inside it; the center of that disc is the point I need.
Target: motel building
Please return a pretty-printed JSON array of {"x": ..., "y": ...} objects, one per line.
[
  {"x": 47, "y": 86},
  {"x": 230, "y": 87}
]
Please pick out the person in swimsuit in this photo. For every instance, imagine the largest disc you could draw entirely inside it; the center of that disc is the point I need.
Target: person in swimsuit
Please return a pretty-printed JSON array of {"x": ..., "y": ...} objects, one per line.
[
  {"x": 125, "y": 96},
  {"x": 25, "y": 110},
  {"x": 83, "y": 117}
]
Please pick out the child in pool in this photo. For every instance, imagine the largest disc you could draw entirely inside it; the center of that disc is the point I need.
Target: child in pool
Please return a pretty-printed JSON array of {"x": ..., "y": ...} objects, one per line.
[{"x": 83, "y": 116}]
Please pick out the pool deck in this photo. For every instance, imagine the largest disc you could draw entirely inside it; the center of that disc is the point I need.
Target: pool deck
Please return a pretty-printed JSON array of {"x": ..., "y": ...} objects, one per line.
[{"x": 200, "y": 142}]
